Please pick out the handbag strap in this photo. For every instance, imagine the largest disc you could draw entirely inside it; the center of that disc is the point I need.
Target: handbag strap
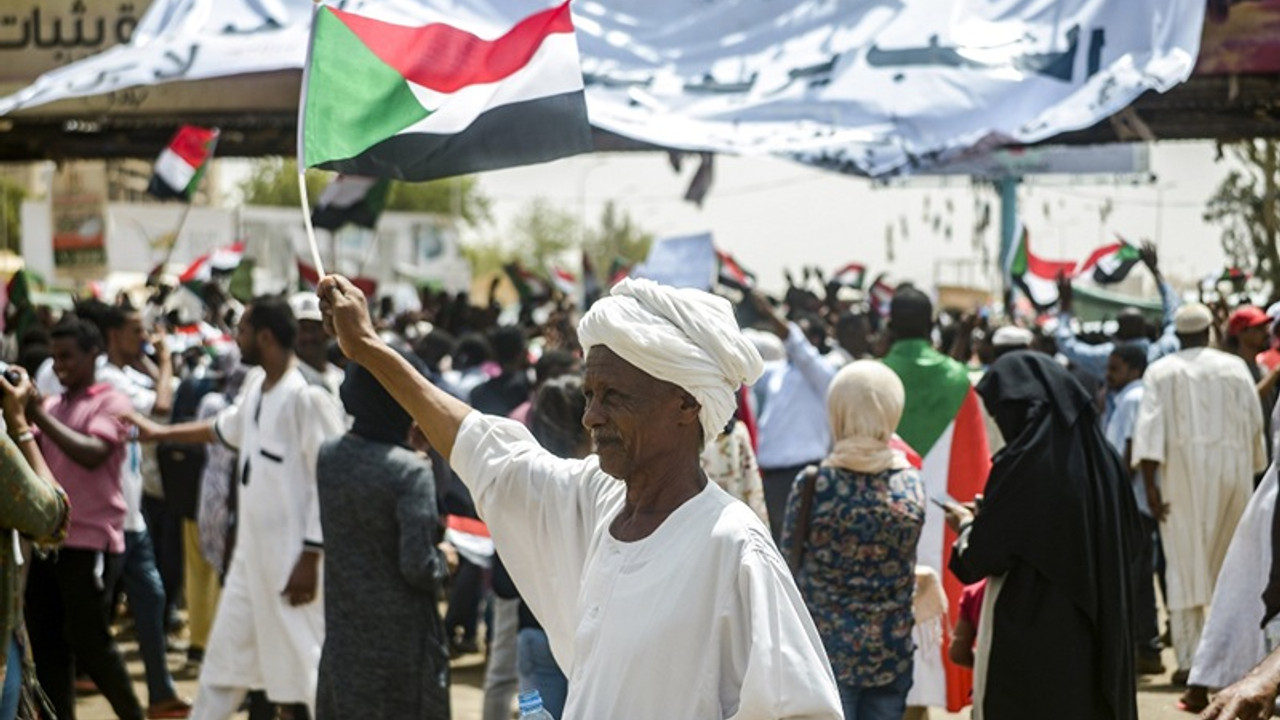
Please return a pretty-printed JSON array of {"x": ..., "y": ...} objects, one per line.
[{"x": 800, "y": 538}]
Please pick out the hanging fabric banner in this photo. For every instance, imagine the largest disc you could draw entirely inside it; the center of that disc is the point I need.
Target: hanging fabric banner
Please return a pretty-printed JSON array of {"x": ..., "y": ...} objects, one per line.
[{"x": 861, "y": 86}]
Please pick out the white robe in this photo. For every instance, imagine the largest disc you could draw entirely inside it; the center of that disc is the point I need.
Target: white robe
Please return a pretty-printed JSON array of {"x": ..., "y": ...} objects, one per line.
[
  {"x": 699, "y": 620},
  {"x": 1200, "y": 419},
  {"x": 1233, "y": 640},
  {"x": 258, "y": 640}
]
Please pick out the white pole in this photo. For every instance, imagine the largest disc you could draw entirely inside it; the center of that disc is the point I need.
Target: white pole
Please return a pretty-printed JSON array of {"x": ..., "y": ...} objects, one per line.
[{"x": 306, "y": 219}]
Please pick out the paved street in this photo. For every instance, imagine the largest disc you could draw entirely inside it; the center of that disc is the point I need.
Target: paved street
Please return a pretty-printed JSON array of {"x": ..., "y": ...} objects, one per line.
[{"x": 1156, "y": 697}]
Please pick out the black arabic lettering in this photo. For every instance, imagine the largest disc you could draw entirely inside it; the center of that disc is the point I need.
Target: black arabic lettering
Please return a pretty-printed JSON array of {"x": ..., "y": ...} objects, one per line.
[
  {"x": 9, "y": 21},
  {"x": 126, "y": 24},
  {"x": 128, "y": 97},
  {"x": 270, "y": 21},
  {"x": 1057, "y": 65},
  {"x": 106, "y": 76},
  {"x": 181, "y": 65},
  {"x": 76, "y": 30},
  {"x": 617, "y": 81},
  {"x": 40, "y": 41},
  {"x": 817, "y": 75},
  {"x": 710, "y": 85},
  {"x": 1097, "y": 41}
]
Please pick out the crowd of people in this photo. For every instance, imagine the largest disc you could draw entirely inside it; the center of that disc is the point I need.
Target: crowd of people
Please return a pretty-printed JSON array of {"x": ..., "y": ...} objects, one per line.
[{"x": 666, "y": 504}]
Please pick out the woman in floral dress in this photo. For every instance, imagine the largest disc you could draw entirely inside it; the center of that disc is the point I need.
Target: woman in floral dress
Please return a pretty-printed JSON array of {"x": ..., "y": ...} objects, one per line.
[{"x": 857, "y": 572}]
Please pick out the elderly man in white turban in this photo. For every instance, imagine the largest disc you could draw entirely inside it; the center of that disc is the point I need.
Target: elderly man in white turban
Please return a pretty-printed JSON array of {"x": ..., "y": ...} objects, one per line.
[{"x": 663, "y": 597}]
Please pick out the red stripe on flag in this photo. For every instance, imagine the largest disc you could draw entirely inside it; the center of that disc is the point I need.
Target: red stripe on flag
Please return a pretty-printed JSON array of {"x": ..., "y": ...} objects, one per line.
[
  {"x": 967, "y": 471},
  {"x": 446, "y": 59},
  {"x": 732, "y": 268},
  {"x": 191, "y": 143},
  {"x": 1049, "y": 269},
  {"x": 1097, "y": 255},
  {"x": 467, "y": 525}
]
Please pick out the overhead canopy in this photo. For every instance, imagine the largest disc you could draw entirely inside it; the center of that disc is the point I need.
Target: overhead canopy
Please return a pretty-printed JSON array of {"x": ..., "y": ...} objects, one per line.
[
  {"x": 855, "y": 86},
  {"x": 1093, "y": 304}
]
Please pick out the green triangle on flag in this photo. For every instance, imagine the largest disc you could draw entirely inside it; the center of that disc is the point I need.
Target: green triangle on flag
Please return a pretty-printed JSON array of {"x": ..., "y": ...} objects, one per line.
[
  {"x": 422, "y": 102},
  {"x": 353, "y": 99}
]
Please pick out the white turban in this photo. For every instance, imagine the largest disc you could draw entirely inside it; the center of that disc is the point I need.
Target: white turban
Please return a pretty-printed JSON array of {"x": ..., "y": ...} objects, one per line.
[{"x": 686, "y": 337}]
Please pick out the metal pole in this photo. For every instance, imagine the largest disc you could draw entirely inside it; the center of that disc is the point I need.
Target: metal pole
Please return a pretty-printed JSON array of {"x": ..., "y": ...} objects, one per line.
[{"x": 1007, "y": 186}]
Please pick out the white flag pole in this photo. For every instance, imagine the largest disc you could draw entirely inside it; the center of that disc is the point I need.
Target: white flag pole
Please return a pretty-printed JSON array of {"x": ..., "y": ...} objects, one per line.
[
  {"x": 302, "y": 145},
  {"x": 306, "y": 218}
]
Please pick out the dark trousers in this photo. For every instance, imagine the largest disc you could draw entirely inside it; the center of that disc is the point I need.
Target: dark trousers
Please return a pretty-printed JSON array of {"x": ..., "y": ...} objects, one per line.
[
  {"x": 165, "y": 527},
  {"x": 67, "y": 622},
  {"x": 464, "y": 601},
  {"x": 777, "y": 486},
  {"x": 260, "y": 708},
  {"x": 1147, "y": 631}
]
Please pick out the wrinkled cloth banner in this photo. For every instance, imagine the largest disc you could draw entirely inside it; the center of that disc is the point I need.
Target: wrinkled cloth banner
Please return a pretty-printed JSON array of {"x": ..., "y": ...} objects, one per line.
[{"x": 860, "y": 86}]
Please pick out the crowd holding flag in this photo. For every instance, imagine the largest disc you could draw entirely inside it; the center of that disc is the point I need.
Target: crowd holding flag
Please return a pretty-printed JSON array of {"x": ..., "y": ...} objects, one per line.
[
  {"x": 1037, "y": 277},
  {"x": 731, "y": 273},
  {"x": 182, "y": 163},
  {"x": 852, "y": 275}
]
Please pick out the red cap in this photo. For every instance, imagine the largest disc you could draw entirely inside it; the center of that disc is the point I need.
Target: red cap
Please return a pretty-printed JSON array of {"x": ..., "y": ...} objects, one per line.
[{"x": 1246, "y": 317}]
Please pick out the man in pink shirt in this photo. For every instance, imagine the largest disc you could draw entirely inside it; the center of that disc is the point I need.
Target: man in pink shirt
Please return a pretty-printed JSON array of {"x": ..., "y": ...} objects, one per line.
[{"x": 83, "y": 441}]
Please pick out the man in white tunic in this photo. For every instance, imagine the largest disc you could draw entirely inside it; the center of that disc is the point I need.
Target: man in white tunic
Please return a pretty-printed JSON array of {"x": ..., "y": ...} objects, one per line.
[
  {"x": 1200, "y": 425},
  {"x": 663, "y": 597},
  {"x": 269, "y": 627}
]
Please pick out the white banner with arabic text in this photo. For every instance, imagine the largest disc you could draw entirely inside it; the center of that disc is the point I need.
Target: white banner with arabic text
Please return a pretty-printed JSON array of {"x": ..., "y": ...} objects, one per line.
[{"x": 864, "y": 86}]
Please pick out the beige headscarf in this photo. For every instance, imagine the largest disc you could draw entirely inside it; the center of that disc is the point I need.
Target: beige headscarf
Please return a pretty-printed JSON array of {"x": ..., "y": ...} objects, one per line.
[
  {"x": 686, "y": 337},
  {"x": 864, "y": 404}
]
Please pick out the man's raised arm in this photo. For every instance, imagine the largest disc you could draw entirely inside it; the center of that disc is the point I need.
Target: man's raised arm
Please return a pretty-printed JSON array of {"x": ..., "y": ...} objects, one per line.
[{"x": 346, "y": 317}]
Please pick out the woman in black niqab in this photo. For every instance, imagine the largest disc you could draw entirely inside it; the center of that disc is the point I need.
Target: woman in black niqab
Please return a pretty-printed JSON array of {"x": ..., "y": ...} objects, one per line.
[{"x": 1058, "y": 536}]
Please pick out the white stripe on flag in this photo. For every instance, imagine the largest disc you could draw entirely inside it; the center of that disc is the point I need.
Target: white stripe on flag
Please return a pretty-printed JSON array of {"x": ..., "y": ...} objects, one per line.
[
  {"x": 553, "y": 70},
  {"x": 931, "y": 686},
  {"x": 1043, "y": 291},
  {"x": 346, "y": 191},
  {"x": 174, "y": 171}
]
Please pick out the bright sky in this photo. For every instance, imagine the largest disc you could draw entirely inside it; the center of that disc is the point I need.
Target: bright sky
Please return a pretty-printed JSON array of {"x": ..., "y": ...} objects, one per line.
[{"x": 773, "y": 213}]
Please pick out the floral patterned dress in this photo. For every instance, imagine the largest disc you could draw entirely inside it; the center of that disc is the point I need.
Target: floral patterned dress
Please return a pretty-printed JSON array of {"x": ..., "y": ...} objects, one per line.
[
  {"x": 730, "y": 463},
  {"x": 858, "y": 571}
]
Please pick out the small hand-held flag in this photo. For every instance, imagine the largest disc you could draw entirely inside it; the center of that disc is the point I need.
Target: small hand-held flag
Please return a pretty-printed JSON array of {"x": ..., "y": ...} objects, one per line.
[
  {"x": 182, "y": 163},
  {"x": 434, "y": 101},
  {"x": 177, "y": 175},
  {"x": 351, "y": 200}
]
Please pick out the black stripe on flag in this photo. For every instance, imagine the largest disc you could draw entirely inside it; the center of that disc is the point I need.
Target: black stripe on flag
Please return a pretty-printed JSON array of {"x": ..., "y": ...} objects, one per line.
[{"x": 522, "y": 133}]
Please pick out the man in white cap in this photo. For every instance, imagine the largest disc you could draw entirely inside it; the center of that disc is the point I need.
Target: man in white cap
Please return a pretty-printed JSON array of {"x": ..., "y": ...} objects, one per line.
[
  {"x": 1011, "y": 338},
  {"x": 312, "y": 345},
  {"x": 662, "y": 597},
  {"x": 1200, "y": 426}
]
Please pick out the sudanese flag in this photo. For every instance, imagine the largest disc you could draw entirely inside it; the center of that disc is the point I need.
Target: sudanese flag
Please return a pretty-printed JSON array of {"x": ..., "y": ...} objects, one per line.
[{"x": 434, "y": 101}]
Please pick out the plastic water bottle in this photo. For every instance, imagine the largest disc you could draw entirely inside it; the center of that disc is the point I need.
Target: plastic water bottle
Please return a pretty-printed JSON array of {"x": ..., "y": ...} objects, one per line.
[{"x": 531, "y": 706}]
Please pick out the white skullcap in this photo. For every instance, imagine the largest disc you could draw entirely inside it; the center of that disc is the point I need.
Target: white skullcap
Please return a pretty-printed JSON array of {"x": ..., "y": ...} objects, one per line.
[
  {"x": 683, "y": 336},
  {"x": 1012, "y": 336},
  {"x": 1192, "y": 318},
  {"x": 306, "y": 306}
]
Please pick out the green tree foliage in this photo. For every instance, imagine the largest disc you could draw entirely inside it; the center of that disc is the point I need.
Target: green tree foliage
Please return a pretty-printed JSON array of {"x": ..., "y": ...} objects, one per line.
[
  {"x": 617, "y": 237},
  {"x": 274, "y": 181},
  {"x": 1247, "y": 208},
  {"x": 543, "y": 235}
]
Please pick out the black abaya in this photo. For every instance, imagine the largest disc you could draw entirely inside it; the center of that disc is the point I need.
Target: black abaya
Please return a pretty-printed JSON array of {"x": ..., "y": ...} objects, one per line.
[{"x": 1059, "y": 522}]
